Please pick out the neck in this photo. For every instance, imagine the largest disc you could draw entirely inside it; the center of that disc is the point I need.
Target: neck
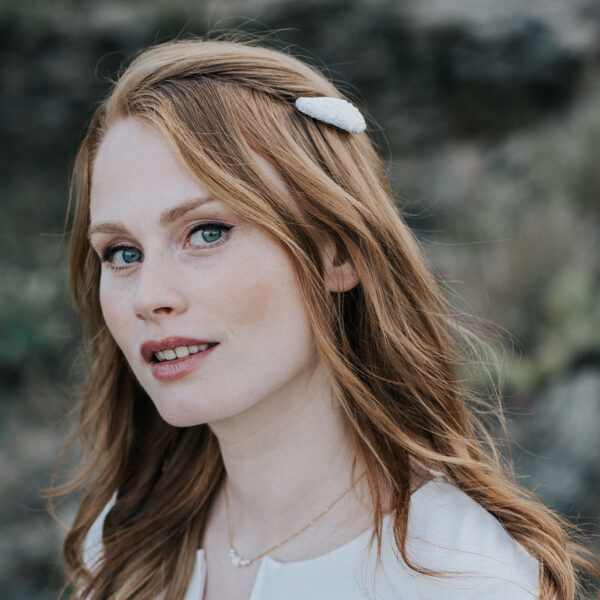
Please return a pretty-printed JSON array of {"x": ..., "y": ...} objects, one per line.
[{"x": 287, "y": 458}]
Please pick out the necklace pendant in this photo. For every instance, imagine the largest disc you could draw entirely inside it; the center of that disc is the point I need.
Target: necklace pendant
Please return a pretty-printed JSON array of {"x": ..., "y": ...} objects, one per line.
[{"x": 237, "y": 560}]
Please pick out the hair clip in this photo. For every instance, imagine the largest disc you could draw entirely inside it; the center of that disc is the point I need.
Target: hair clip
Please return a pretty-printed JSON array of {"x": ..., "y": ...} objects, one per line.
[{"x": 334, "y": 111}]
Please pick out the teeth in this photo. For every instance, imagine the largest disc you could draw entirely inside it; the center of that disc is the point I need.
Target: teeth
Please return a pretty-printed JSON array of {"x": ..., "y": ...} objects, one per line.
[
  {"x": 179, "y": 352},
  {"x": 182, "y": 351}
]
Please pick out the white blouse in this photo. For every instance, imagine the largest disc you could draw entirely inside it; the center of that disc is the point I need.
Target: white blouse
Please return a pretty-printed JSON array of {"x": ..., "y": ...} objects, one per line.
[{"x": 447, "y": 530}]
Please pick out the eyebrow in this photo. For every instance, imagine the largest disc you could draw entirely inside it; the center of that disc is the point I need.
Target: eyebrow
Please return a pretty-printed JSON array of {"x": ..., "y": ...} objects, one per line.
[{"x": 166, "y": 218}]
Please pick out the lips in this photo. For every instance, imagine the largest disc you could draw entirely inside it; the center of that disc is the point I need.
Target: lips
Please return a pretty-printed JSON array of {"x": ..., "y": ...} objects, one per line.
[
  {"x": 180, "y": 367},
  {"x": 148, "y": 348}
]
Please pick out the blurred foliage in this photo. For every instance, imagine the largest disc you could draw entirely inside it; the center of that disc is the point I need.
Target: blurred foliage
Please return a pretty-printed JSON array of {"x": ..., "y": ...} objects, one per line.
[{"x": 486, "y": 115}]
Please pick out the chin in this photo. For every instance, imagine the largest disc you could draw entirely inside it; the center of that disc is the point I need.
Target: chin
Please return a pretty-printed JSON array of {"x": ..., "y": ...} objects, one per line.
[
  {"x": 180, "y": 416},
  {"x": 184, "y": 414},
  {"x": 178, "y": 421}
]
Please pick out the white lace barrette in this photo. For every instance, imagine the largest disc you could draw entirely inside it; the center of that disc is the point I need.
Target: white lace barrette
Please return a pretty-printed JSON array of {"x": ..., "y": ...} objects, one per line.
[{"x": 334, "y": 111}]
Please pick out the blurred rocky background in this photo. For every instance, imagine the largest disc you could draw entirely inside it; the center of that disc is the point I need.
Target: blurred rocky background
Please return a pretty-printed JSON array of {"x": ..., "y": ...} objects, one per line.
[{"x": 487, "y": 114}]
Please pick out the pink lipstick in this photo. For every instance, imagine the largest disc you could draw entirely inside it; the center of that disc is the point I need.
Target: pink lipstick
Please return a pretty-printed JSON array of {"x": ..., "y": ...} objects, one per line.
[{"x": 178, "y": 367}]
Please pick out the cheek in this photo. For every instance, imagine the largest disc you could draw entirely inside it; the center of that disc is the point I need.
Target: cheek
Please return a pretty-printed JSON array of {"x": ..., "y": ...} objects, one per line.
[
  {"x": 114, "y": 311},
  {"x": 250, "y": 296},
  {"x": 267, "y": 301}
]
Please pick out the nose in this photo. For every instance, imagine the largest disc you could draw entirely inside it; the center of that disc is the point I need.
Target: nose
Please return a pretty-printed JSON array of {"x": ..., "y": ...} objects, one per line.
[{"x": 158, "y": 291}]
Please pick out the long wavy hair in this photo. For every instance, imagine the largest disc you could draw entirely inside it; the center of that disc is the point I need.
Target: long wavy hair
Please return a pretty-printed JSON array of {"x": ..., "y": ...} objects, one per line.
[{"x": 393, "y": 347}]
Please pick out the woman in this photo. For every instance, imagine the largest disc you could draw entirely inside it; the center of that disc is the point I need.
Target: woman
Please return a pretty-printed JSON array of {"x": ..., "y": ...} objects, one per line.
[{"x": 273, "y": 407}]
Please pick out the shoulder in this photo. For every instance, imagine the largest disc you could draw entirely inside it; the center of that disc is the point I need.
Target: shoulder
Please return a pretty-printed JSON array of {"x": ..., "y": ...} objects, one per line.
[
  {"x": 449, "y": 531},
  {"x": 92, "y": 545}
]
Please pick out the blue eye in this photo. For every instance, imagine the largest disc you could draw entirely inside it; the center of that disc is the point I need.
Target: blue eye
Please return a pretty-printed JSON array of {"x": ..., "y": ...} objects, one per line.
[
  {"x": 210, "y": 233},
  {"x": 129, "y": 255}
]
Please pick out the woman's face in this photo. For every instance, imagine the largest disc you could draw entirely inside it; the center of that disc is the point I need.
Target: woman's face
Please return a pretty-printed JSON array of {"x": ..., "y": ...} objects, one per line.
[{"x": 179, "y": 264}]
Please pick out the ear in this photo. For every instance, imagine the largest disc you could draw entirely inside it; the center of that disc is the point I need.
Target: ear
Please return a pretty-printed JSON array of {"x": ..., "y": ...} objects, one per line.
[{"x": 340, "y": 274}]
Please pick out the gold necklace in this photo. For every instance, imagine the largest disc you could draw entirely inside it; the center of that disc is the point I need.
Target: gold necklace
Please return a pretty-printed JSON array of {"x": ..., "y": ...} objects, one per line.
[{"x": 238, "y": 561}]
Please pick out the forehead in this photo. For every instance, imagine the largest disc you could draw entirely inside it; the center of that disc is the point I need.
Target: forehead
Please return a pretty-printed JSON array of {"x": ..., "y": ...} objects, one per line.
[{"x": 136, "y": 166}]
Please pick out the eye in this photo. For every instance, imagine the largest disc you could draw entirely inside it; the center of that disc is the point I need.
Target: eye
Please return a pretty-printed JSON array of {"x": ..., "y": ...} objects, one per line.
[
  {"x": 209, "y": 233},
  {"x": 129, "y": 255},
  {"x": 204, "y": 235}
]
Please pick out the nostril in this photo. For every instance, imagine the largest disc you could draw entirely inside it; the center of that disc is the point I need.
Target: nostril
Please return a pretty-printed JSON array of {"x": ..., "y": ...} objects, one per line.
[{"x": 167, "y": 309}]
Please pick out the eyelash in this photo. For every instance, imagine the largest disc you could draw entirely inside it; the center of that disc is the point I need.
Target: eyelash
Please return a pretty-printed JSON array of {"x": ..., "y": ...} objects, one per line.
[{"x": 109, "y": 252}]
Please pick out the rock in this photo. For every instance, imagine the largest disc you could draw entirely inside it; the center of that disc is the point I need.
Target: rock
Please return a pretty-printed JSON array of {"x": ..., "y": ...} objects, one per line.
[{"x": 561, "y": 442}]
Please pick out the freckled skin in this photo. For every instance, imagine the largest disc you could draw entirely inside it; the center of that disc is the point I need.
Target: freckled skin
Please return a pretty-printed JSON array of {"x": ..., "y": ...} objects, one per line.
[{"x": 241, "y": 290}]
